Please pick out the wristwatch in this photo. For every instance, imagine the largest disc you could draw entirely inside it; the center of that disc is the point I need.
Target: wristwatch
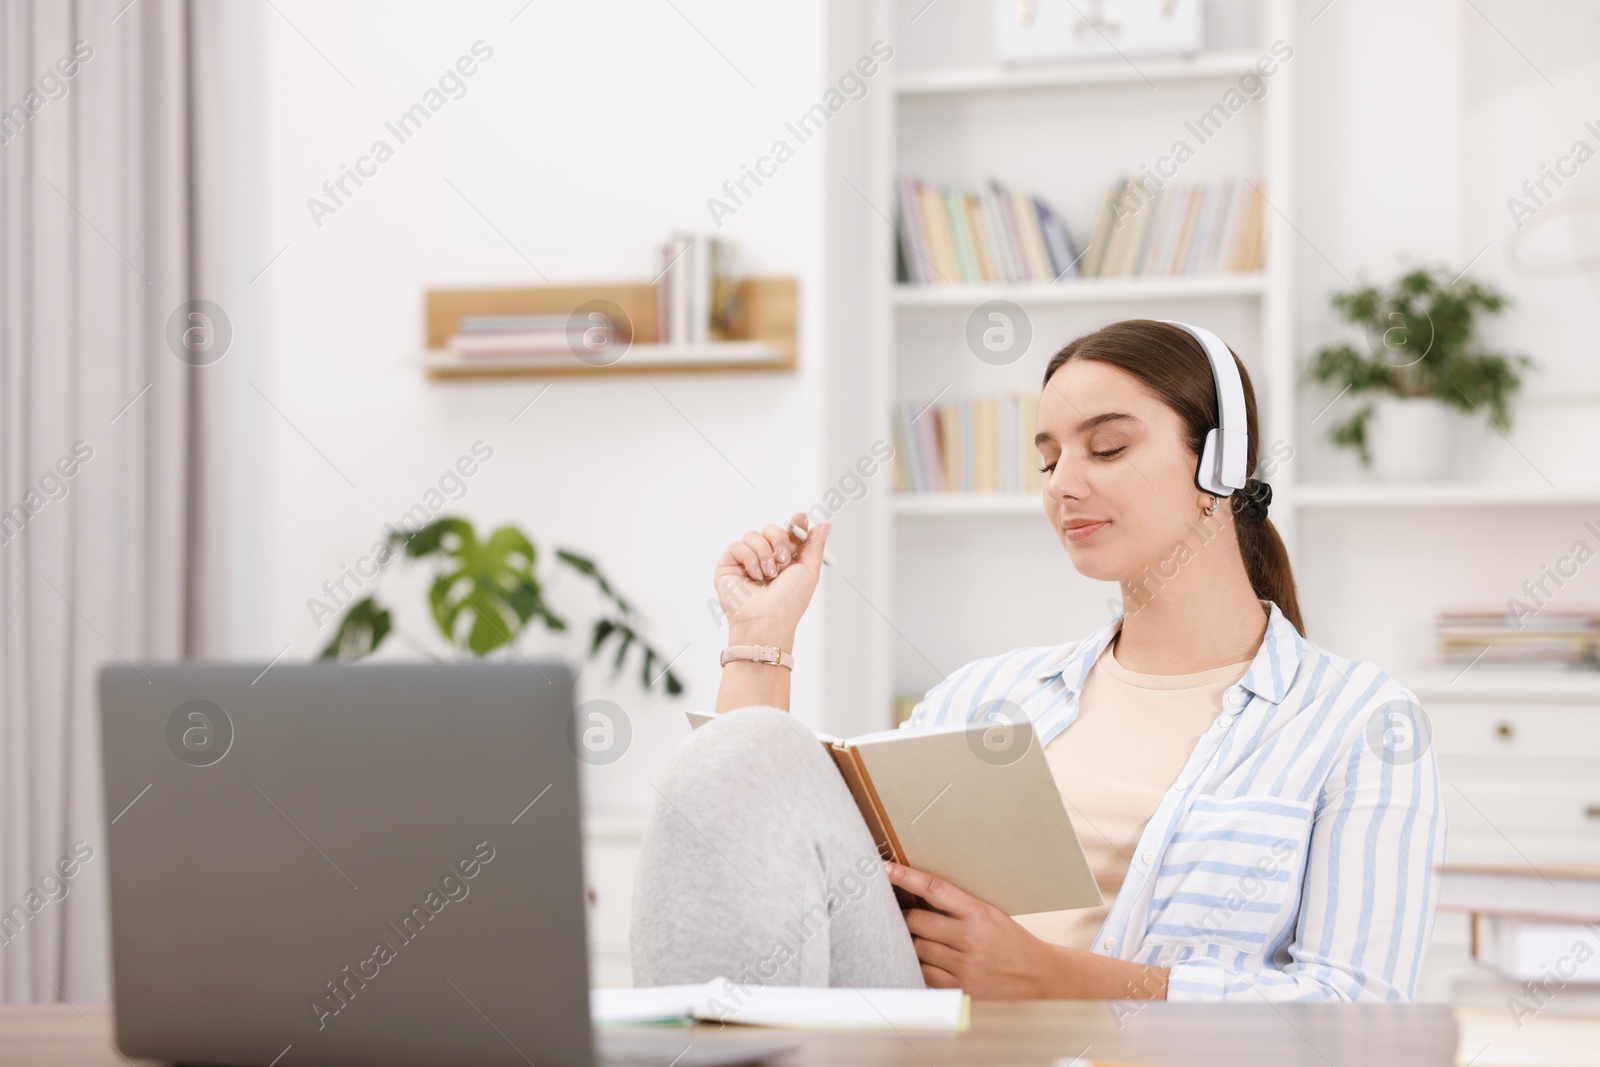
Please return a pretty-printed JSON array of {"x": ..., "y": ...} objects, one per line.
[{"x": 771, "y": 654}]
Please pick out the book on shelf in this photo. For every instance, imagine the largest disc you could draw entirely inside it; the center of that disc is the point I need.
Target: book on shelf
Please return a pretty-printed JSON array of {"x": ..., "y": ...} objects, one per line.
[
  {"x": 1531, "y": 950},
  {"x": 968, "y": 444},
  {"x": 974, "y": 804},
  {"x": 480, "y": 337},
  {"x": 1206, "y": 228},
  {"x": 1564, "y": 638},
  {"x": 954, "y": 235},
  {"x": 694, "y": 289}
]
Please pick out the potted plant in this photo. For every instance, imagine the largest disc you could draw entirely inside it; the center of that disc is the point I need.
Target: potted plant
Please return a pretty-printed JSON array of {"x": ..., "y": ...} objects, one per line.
[
  {"x": 1423, "y": 365},
  {"x": 485, "y": 593}
]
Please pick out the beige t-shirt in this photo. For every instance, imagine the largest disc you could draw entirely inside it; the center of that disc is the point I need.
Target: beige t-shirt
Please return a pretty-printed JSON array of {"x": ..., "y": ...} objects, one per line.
[{"x": 1133, "y": 734}]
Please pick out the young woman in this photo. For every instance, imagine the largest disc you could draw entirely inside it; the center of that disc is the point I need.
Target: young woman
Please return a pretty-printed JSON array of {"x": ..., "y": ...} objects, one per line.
[{"x": 1263, "y": 816}]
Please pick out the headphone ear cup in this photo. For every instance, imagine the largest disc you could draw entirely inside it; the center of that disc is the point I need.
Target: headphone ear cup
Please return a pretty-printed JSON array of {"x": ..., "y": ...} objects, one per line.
[{"x": 1205, "y": 474}]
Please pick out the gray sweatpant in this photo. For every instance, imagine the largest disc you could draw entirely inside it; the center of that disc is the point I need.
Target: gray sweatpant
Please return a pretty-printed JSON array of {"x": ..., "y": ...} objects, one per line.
[{"x": 756, "y": 866}]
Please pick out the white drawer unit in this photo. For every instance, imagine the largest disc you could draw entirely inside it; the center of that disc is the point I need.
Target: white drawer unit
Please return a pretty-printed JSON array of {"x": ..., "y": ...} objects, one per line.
[
  {"x": 610, "y": 857},
  {"x": 1519, "y": 755}
]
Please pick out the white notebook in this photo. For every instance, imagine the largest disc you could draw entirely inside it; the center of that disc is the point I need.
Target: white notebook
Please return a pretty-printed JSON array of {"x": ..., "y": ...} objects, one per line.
[{"x": 792, "y": 1007}]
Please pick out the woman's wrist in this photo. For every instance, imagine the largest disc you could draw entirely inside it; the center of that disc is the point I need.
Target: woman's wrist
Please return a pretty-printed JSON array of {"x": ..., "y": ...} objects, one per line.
[
  {"x": 762, "y": 634},
  {"x": 1081, "y": 974}
]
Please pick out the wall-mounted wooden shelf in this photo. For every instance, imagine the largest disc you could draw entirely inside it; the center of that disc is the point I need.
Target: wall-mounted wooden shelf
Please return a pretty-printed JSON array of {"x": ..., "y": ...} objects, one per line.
[{"x": 761, "y": 331}]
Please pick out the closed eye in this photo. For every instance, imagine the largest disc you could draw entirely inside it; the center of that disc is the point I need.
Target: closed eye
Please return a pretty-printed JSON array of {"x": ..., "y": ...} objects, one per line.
[{"x": 1110, "y": 453}]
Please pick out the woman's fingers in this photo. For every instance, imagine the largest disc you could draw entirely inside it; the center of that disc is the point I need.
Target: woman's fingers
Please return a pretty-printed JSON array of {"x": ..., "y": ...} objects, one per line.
[
  {"x": 938, "y": 978},
  {"x": 747, "y": 558},
  {"x": 936, "y": 891},
  {"x": 942, "y": 956},
  {"x": 783, "y": 544},
  {"x": 933, "y": 926},
  {"x": 766, "y": 563}
]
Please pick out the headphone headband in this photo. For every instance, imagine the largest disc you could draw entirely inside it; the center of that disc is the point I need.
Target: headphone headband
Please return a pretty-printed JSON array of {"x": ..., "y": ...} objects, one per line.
[{"x": 1222, "y": 461}]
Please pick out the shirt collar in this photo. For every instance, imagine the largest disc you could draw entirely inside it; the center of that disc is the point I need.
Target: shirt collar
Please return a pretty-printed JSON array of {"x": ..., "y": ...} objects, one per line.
[{"x": 1270, "y": 674}]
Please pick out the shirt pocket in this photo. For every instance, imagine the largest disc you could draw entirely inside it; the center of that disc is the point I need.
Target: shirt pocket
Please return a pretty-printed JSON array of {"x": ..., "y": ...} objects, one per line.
[{"x": 1230, "y": 873}]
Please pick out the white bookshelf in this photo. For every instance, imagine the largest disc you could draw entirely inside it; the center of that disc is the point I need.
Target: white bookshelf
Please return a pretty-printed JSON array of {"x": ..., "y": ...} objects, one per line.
[{"x": 953, "y": 115}]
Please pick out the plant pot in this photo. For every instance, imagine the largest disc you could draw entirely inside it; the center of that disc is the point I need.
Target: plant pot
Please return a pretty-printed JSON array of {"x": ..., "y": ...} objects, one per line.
[{"x": 1410, "y": 438}]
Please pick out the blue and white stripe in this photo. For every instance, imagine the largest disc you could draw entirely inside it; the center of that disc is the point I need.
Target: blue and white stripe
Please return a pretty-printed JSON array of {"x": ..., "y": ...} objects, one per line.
[{"x": 1294, "y": 857}]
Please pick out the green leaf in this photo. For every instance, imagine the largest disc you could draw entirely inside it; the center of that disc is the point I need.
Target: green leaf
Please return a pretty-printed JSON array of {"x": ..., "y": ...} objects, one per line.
[
  {"x": 429, "y": 540},
  {"x": 587, "y": 568},
  {"x": 360, "y": 632},
  {"x": 1420, "y": 341}
]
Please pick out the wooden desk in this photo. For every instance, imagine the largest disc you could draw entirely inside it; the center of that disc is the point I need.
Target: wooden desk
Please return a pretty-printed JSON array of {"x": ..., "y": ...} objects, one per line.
[{"x": 1030, "y": 1033}]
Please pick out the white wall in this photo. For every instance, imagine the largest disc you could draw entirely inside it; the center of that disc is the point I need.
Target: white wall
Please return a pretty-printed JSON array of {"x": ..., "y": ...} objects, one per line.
[
  {"x": 591, "y": 132},
  {"x": 1416, "y": 123},
  {"x": 596, "y": 128}
]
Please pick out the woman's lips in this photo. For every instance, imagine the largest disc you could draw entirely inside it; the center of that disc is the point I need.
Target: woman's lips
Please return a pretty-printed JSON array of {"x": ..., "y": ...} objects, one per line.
[{"x": 1078, "y": 533}]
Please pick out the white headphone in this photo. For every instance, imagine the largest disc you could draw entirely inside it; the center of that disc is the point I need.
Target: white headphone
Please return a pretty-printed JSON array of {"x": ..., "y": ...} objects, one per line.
[{"x": 1221, "y": 468}]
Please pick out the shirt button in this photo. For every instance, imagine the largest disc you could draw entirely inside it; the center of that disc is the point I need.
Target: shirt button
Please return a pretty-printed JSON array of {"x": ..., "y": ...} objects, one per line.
[
  {"x": 1225, "y": 722},
  {"x": 1148, "y": 857},
  {"x": 1235, "y": 698},
  {"x": 1109, "y": 942},
  {"x": 1182, "y": 783}
]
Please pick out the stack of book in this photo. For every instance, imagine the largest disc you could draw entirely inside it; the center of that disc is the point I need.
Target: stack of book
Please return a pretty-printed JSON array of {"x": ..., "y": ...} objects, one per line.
[
  {"x": 1566, "y": 638},
  {"x": 1534, "y": 997},
  {"x": 992, "y": 235},
  {"x": 694, "y": 289},
  {"x": 1178, "y": 229},
  {"x": 489, "y": 337},
  {"x": 968, "y": 444}
]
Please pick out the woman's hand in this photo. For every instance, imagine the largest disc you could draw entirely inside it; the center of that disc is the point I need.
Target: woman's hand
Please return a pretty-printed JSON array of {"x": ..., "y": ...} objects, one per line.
[
  {"x": 975, "y": 946},
  {"x": 764, "y": 582}
]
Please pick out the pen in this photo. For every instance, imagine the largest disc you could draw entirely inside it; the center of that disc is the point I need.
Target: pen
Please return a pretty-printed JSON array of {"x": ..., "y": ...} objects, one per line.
[{"x": 800, "y": 535}]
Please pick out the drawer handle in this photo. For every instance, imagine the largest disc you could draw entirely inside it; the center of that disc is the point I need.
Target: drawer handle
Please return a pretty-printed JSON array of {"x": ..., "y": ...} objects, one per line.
[
  {"x": 1593, "y": 811},
  {"x": 1503, "y": 729}
]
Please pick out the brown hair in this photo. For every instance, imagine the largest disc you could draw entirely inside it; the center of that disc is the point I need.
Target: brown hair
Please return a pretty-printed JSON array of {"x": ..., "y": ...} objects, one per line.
[{"x": 1171, "y": 364}]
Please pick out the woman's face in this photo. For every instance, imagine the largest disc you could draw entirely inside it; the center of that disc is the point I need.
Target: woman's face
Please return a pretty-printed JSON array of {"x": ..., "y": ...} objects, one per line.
[{"x": 1118, "y": 475}]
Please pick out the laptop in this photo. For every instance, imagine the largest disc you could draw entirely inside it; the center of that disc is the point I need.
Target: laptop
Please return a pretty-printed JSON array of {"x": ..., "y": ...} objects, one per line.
[{"x": 354, "y": 865}]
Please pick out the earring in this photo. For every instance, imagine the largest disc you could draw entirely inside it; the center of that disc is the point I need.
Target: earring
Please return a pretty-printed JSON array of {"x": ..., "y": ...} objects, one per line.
[{"x": 1211, "y": 508}]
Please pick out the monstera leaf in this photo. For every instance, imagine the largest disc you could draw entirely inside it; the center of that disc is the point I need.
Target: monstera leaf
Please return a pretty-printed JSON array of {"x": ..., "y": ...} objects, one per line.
[
  {"x": 486, "y": 592},
  {"x": 362, "y": 629}
]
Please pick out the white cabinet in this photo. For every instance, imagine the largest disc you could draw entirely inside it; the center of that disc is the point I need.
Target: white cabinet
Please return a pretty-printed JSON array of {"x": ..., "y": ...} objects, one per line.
[
  {"x": 610, "y": 857},
  {"x": 1519, "y": 754}
]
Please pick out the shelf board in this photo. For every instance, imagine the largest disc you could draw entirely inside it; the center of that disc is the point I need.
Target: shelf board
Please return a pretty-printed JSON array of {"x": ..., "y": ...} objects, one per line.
[
  {"x": 950, "y": 504},
  {"x": 639, "y": 359},
  {"x": 1432, "y": 683},
  {"x": 1066, "y": 74},
  {"x": 1440, "y": 495},
  {"x": 1312, "y": 497},
  {"x": 1085, "y": 290}
]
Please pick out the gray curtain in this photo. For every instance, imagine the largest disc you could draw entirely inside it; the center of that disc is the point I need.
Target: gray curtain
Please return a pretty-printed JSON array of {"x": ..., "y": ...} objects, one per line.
[{"x": 110, "y": 455}]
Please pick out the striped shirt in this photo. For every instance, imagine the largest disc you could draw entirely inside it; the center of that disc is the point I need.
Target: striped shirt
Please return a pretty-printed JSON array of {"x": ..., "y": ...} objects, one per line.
[{"x": 1293, "y": 858}]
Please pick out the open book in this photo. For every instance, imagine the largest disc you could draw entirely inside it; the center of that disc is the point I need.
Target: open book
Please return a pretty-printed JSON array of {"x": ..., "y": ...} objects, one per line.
[
  {"x": 796, "y": 1007},
  {"x": 975, "y": 805}
]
